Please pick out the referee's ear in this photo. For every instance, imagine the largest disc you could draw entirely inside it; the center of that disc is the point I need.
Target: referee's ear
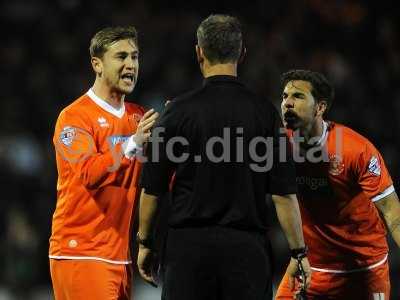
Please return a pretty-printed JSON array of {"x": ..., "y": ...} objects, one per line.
[
  {"x": 243, "y": 52},
  {"x": 200, "y": 55}
]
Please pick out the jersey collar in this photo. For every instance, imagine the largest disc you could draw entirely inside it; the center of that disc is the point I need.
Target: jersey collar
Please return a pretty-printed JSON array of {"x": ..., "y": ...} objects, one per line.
[
  {"x": 324, "y": 135},
  {"x": 104, "y": 105}
]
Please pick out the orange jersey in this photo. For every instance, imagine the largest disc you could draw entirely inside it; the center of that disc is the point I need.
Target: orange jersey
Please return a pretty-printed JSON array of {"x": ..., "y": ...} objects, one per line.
[
  {"x": 97, "y": 185},
  {"x": 341, "y": 224}
]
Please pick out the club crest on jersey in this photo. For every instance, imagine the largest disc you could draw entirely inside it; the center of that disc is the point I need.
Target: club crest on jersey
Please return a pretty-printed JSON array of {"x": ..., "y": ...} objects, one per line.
[
  {"x": 67, "y": 135},
  {"x": 374, "y": 167},
  {"x": 336, "y": 165},
  {"x": 102, "y": 122},
  {"x": 136, "y": 117}
]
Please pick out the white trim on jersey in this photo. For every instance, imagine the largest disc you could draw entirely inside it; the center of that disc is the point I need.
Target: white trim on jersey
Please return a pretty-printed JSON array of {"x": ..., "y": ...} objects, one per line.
[
  {"x": 353, "y": 270},
  {"x": 131, "y": 148},
  {"x": 324, "y": 135},
  {"x": 385, "y": 193},
  {"x": 116, "y": 262},
  {"x": 104, "y": 105},
  {"x": 379, "y": 296}
]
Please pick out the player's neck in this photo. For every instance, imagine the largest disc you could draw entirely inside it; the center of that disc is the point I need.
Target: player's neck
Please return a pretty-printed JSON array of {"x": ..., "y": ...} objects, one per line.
[
  {"x": 219, "y": 69},
  {"x": 104, "y": 92},
  {"x": 314, "y": 131}
]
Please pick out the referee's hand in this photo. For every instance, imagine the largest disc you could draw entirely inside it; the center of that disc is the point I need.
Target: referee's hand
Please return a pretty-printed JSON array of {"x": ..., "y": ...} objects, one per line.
[
  {"x": 293, "y": 273},
  {"x": 145, "y": 263}
]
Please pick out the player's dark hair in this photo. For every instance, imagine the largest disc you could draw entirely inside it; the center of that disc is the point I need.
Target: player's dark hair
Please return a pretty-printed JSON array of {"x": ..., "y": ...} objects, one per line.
[
  {"x": 107, "y": 36},
  {"x": 321, "y": 89},
  {"x": 220, "y": 37}
]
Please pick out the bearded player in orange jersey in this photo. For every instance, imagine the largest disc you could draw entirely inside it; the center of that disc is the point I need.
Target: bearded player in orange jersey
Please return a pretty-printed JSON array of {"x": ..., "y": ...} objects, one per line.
[
  {"x": 343, "y": 187},
  {"x": 97, "y": 139}
]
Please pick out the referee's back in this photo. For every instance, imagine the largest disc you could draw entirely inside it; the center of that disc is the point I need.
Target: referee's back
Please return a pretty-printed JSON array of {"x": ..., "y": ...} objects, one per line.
[
  {"x": 222, "y": 143},
  {"x": 221, "y": 147}
]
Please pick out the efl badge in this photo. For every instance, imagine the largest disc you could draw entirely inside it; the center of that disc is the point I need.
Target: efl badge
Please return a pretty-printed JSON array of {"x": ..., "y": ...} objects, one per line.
[
  {"x": 336, "y": 165},
  {"x": 374, "y": 167},
  {"x": 67, "y": 135}
]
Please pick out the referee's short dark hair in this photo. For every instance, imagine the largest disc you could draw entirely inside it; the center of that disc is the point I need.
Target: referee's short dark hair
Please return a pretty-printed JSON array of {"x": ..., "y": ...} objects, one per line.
[
  {"x": 321, "y": 88},
  {"x": 220, "y": 37}
]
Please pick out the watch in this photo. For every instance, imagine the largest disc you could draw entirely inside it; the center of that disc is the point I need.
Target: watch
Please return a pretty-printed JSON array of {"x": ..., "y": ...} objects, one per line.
[{"x": 299, "y": 253}]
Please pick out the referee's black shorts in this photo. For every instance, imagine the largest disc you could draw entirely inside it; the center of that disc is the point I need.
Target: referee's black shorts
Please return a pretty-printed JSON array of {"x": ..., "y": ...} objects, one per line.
[{"x": 216, "y": 263}]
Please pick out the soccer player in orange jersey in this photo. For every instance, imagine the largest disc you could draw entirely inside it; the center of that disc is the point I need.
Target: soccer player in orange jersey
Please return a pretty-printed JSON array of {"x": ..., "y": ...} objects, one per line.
[
  {"x": 343, "y": 187},
  {"x": 97, "y": 139}
]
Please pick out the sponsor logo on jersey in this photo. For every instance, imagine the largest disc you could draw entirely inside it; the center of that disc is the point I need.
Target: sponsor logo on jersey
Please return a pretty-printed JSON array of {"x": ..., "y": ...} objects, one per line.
[
  {"x": 336, "y": 165},
  {"x": 67, "y": 135},
  {"x": 103, "y": 122},
  {"x": 117, "y": 139},
  {"x": 374, "y": 167},
  {"x": 313, "y": 183}
]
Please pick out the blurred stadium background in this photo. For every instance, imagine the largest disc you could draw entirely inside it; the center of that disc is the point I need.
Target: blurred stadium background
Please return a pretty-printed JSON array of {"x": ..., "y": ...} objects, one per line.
[{"x": 45, "y": 65}]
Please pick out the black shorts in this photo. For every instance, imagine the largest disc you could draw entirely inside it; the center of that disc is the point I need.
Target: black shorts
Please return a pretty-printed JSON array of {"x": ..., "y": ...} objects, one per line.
[{"x": 216, "y": 263}]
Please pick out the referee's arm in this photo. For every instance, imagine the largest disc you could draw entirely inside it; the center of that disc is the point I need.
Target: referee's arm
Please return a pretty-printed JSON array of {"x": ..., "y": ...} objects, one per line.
[
  {"x": 288, "y": 212},
  {"x": 147, "y": 211},
  {"x": 156, "y": 176},
  {"x": 283, "y": 188}
]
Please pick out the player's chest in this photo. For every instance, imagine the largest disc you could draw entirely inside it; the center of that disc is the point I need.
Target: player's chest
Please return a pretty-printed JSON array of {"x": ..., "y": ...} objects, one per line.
[
  {"x": 322, "y": 179},
  {"x": 110, "y": 130}
]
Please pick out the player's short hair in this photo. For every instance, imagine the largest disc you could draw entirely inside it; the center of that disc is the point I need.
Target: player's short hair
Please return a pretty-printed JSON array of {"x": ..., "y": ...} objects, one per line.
[
  {"x": 107, "y": 36},
  {"x": 220, "y": 37},
  {"x": 321, "y": 89}
]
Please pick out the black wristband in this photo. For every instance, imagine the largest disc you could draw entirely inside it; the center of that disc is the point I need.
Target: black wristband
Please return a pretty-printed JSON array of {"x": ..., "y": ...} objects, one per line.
[
  {"x": 299, "y": 253},
  {"x": 145, "y": 242}
]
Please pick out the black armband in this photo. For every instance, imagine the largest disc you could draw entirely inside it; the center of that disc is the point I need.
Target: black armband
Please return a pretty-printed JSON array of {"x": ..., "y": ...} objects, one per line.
[{"x": 299, "y": 253}]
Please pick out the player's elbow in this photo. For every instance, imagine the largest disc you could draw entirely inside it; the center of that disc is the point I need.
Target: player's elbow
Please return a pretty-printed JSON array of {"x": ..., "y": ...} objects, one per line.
[{"x": 89, "y": 181}]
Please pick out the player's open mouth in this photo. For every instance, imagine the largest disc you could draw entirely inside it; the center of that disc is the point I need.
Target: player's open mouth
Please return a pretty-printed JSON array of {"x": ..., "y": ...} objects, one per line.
[
  {"x": 290, "y": 116},
  {"x": 128, "y": 78}
]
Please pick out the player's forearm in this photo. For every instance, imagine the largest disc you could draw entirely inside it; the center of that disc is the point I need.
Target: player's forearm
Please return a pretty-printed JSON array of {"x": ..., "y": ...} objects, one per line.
[
  {"x": 100, "y": 169},
  {"x": 147, "y": 212},
  {"x": 390, "y": 209},
  {"x": 288, "y": 212},
  {"x": 394, "y": 228}
]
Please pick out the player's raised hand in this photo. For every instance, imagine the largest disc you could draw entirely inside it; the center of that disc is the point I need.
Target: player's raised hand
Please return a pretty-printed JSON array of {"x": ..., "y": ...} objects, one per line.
[
  {"x": 296, "y": 274},
  {"x": 145, "y": 124}
]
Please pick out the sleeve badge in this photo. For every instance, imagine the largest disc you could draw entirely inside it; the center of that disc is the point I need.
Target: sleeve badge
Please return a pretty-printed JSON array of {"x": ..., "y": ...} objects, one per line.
[{"x": 373, "y": 167}]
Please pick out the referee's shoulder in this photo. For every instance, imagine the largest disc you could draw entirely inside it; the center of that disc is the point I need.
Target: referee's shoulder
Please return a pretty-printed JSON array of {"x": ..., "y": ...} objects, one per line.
[
  {"x": 259, "y": 99},
  {"x": 187, "y": 97}
]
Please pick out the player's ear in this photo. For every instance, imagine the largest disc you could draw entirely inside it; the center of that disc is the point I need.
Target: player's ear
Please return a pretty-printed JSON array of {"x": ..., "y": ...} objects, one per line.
[
  {"x": 322, "y": 105},
  {"x": 97, "y": 65}
]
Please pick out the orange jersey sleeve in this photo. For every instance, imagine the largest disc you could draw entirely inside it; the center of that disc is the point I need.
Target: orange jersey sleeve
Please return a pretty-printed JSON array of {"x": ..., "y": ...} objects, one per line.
[
  {"x": 372, "y": 174},
  {"x": 75, "y": 144}
]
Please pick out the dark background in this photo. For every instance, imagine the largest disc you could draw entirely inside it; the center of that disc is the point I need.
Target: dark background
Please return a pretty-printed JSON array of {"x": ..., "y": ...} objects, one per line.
[{"x": 45, "y": 65}]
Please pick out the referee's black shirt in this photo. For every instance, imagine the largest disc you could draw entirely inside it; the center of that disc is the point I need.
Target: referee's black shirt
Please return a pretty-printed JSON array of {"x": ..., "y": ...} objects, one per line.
[{"x": 219, "y": 135}]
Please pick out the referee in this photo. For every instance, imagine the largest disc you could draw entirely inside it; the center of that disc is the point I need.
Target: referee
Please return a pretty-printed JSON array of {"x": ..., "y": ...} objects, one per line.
[{"x": 215, "y": 139}]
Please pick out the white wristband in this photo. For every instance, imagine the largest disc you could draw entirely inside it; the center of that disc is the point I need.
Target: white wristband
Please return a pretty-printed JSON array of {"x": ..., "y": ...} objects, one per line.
[{"x": 130, "y": 147}]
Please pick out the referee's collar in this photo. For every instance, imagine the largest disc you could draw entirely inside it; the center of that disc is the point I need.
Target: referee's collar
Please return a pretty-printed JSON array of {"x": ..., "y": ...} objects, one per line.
[{"x": 221, "y": 78}]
